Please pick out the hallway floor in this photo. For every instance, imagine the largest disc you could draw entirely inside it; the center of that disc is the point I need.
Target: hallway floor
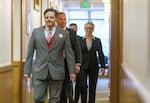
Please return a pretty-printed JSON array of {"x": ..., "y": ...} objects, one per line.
[{"x": 102, "y": 92}]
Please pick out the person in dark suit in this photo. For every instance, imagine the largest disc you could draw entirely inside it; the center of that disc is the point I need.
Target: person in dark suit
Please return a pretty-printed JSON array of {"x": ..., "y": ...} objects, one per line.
[
  {"x": 92, "y": 55},
  {"x": 73, "y": 26},
  {"x": 48, "y": 70},
  {"x": 67, "y": 89}
]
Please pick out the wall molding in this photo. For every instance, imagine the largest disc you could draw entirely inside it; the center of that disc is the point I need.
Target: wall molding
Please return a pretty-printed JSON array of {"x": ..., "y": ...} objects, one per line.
[
  {"x": 6, "y": 84},
  {"x": 141, "y": 90},
  {"x": 5, "y": 69}
]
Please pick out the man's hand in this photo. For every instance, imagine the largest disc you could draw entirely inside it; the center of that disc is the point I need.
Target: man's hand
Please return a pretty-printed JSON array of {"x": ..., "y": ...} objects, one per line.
[
  {"x": 72, "y": 77},
  {"x": 102, "y": 71},
  {"x": 26, "y": 76},
  {"x": 77, "y": 68}
]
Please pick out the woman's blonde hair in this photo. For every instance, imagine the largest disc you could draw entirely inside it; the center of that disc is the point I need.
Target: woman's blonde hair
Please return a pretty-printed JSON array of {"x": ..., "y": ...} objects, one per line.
[{"x": 89, "y": 22}]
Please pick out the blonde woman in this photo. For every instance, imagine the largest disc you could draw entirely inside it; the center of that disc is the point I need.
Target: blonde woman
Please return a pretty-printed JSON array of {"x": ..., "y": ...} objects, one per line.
[{"x": 92, "y": 56}]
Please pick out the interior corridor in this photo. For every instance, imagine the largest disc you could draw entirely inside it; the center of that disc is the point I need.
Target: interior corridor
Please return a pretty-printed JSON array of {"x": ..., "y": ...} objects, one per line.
[
  {"x": 129, "y": 47},
  {"x": 102, "y": 93}
]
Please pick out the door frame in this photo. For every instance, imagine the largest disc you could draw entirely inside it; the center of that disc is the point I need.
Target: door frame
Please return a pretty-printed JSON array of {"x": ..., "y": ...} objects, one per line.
[{"x": 116, "y": 49}]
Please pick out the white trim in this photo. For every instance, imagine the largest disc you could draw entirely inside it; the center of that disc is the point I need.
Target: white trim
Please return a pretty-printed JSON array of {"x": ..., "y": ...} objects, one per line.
[
  {"x": 142, "y": 91},
  {"x": 4, "y": 64}
]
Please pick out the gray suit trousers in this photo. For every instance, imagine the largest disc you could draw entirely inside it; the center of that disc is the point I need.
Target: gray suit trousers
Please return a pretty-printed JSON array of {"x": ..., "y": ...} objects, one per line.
[{"x": 40, "y": 90}]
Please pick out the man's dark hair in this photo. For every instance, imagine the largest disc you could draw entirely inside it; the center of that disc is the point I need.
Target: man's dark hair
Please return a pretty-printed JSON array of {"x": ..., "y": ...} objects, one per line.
[
  {"x": 73, "y": 24},
  {"x": 50, "y": 10}
]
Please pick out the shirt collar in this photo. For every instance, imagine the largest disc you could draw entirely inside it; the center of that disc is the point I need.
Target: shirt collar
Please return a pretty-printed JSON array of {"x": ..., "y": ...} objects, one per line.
[
  {"x": 64, "y": 28},
  {"x": 92, "y": 37},
  {"x": 53, "y": 28}
]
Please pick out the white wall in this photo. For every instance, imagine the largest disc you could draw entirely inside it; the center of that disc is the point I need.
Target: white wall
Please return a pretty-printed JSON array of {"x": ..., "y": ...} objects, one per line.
[
  {"x": 34, "y": 22},
  {"x": 136, "y": 39},
  {"x": 5, "y": 32},
  {"x": 17, "y": 28}
]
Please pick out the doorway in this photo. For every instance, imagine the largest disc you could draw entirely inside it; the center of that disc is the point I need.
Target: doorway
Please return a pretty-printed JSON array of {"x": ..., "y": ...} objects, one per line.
[
  {"x": 114, "y": 45},
  {"x": 100, "y": 16}
]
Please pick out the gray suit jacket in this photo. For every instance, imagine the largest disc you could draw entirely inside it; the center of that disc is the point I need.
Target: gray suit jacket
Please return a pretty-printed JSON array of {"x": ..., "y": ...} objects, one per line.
[{"x": 49, "y": 60}]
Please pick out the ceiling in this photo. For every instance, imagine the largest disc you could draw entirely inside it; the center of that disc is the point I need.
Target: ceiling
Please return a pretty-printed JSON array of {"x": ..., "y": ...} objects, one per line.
[{"x": 76, "y": 3}]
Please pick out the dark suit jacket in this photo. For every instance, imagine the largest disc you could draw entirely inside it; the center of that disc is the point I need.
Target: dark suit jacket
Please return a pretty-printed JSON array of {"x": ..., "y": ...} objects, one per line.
[
  {"x": 67, "y": 85},
  {"x": 76, "y": 49},
  {"x": 75, "y": 45},
  {"x": 89, "y": 58}
]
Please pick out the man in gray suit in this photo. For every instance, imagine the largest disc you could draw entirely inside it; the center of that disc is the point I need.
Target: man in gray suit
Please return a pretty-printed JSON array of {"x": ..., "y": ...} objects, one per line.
[{"x": 48, "y": 69}]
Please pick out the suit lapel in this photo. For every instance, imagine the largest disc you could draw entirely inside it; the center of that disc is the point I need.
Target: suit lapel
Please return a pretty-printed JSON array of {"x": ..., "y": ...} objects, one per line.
[
  {"x": 84, "y": 44},
  {"x": 43, "y": 38},
  {"x": 54, "y": 40},
  {"x": 93, "y": 44},
  {"x": 68, "y": 30}
]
